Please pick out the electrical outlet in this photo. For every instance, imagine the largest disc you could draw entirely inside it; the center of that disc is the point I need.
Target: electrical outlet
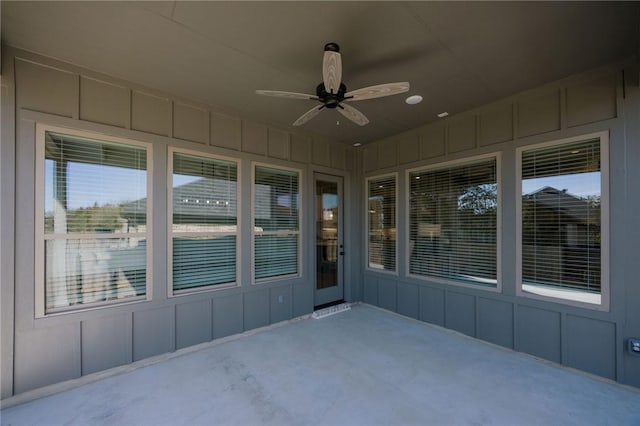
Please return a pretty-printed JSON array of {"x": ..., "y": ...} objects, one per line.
[{"x": 634, "y": 346}]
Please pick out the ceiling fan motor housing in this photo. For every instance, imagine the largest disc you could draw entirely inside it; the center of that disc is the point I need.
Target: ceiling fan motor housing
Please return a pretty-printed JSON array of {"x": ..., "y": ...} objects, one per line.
[
  {"x": 331, "y": 100},
  {"x": 331, "y": 47}
]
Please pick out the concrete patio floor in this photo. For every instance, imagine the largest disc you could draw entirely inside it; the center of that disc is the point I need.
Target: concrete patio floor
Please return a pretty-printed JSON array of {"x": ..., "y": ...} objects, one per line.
[{"x": 363, "y": 366}]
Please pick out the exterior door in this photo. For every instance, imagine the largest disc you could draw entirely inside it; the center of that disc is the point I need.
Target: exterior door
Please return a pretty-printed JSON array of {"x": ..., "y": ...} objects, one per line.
[{"x": 329, "y": 239}]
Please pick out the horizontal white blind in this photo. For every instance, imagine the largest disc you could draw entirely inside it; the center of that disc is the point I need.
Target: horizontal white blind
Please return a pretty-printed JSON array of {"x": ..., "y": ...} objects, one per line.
[
  {"x": 205, "y": 205},
  {"x": 453, "y": 222},
  {"x": 94, "y": 186},
  {"x": 95, "y": 221},
  {"x": 276, "y": 222},
  {"x": 276, "y": 255},
  {"x": 561, "y": 232},
  {"x": 382, "y": 222},
  {"x": 81, "y": 271}
]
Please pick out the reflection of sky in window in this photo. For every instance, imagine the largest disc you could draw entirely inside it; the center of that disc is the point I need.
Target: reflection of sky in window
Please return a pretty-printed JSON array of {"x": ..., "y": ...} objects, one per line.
[
  {"x": 90, "y": 184},
  {"x": 179, "y": 180},
  {"x": 578, "y": 184},
  {"x": 284, "y": 200},
  {"x": 329, "y": 201}
]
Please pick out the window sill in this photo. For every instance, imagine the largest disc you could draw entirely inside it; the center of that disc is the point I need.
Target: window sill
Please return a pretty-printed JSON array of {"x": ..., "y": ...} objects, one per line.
[
  {"x": 568, "y": 294},
  {"x": 478, "y": 283},
  {"x": 203, "y": 289},
  {"x": 79, "y": 309},
  {"x": 563, "y": 295}
]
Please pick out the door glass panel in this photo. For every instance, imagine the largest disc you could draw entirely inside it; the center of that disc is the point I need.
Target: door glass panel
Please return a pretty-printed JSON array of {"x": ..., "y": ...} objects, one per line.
[{"x": 326, "y": 234}]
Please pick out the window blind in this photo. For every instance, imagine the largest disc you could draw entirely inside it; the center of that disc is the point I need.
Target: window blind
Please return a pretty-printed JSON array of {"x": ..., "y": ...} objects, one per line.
[
  {"x": 561, "y": 213},
  {"x": 95, "y": 226},
  {"x": 382, "y": 222},
  {"x": 453, "y": 222},
  {"x": 205, "y": 205},
  {"x": 276, "y": 222}
]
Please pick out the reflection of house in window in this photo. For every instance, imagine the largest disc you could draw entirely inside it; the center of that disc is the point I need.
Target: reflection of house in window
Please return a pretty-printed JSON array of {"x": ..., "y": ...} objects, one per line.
[
  {"x": 276, "y": 222},
  {"x": 561, "y": 239},
  {"x": 208, "y": 205}
]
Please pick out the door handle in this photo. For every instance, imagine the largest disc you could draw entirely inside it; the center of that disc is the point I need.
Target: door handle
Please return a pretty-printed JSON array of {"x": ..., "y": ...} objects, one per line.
[{"x": 341, "y": 253}]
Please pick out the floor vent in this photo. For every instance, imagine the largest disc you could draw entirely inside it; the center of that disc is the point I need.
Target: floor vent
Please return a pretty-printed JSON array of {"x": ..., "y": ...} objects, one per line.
[{"x": 331, "y": 310}]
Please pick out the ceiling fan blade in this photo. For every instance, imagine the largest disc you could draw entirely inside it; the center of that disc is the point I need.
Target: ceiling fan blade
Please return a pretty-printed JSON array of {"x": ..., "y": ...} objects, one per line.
[
  {"x": 332, "y": 71},
  {"x": 378, "y": 91},
  {"x": 308, "y": 115},
  {"x": 288, "y": 95},
  {"x": 353, "y": 114}
]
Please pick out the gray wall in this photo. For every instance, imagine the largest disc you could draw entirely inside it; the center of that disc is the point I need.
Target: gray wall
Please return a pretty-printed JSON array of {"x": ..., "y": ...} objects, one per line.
[
  {"x": 585, "y": 339},
  {"x": 38, "y": 352}
]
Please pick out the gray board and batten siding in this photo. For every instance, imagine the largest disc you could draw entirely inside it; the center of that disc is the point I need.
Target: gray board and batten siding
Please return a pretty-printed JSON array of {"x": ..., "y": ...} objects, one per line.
[
  {"x": 41, "y": 351},
  {"x": 594, "y": 340}
]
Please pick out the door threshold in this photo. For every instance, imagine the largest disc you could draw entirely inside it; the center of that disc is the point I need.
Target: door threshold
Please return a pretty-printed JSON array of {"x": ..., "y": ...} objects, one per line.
[
  {"x": 328, "y": 305},
  {"x": 331, "y": 310}
]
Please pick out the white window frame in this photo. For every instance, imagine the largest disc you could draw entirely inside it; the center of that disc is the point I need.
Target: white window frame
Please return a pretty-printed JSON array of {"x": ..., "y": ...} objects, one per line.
[
  {"x": 171, "y": 234},
  {"x": 255, "y": 281},
  {"x": 446, "y": 165},
  {"x": 40, "y": 255},
  {"x": 604, "y": 223},
  {"x": 298, "y": 274},
  {"x": 366, "y": 229}
]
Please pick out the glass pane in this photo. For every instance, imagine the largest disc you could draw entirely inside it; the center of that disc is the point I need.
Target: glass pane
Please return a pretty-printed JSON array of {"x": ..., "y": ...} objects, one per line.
[
  {"x": 276, "y": 199},
  {"x": 561, "y": 207},
  {"x": 453, "y": 223},
  {"x": 327, "y": 234},
  {"x": 382, "y": 223},
  {"x": 276, "y": 255},
  {"x": 93, "y": 270},
  {"x": 276, "y": 209},
  {"x": 93, "y": 186},
  {"x": 204, "y": 194},
  {"x": 203, "y": 261},
  {"x": 205, "y": 200}
]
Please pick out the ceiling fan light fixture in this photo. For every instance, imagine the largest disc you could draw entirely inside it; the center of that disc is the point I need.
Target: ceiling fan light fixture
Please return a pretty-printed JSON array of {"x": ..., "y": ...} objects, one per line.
[
  {"x": 357, "y": 144},
  {"x": 413, "y": 100},
  {"x": 443, "y": 114}
]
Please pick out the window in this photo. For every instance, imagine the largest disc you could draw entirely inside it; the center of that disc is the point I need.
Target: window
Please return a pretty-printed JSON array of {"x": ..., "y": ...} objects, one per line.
[
  {"x": 93, "y": 217},
  {"x": 276, "y": 215},
  {"x": 561, "y": 216},
  {"x": 381, "y": 224},
  {"x": 453, "y": 222},
  {"x": 204, "y": 199}
]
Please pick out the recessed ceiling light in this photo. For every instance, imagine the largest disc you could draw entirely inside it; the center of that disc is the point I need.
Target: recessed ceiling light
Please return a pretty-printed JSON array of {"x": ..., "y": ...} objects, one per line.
[
  {"x": 443, "y": 114},
  {"x": 412, "y": 100},
  {"x": 577, "y": 151},
  {"x": 357, "y": 144}
]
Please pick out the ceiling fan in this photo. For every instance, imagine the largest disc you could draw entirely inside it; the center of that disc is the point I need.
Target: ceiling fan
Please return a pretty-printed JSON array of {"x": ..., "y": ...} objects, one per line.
[{"x": 331, "y": 92}]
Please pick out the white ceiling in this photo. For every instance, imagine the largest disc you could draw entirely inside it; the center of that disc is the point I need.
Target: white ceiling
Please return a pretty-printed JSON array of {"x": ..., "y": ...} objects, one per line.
[{"x": 457, "y": 55}]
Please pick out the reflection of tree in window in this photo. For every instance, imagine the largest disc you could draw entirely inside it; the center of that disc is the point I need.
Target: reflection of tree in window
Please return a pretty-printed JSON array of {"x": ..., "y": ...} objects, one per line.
[
  {"x": 94, "y": 221},
  {"x": 453, "y": 222}
]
